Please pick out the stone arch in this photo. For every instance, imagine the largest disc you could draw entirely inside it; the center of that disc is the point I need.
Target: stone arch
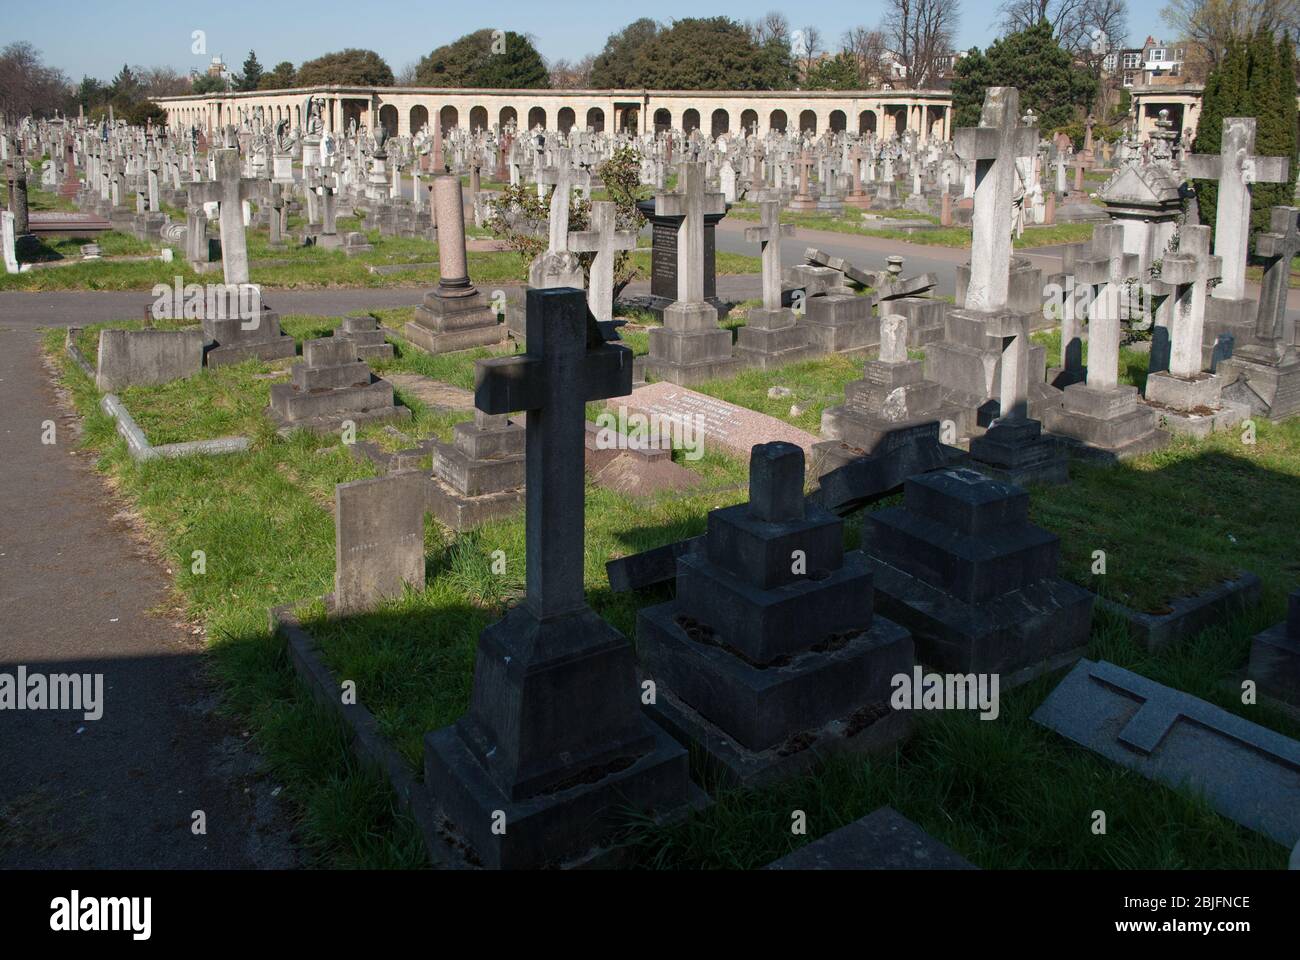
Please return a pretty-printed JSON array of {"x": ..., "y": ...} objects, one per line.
[
  {"x": 388, "y": 119},
  {"x": 808, "y": 121},
  {"x": 419, "y": 117},
  {"x": 719, "y": 123},
  {"x": 565, "y": 119},
  {"x": 867, "y": 121},
  {"x": 838, "y": 121},
  {"x": 690, "y": 120},
  {"x": 536, "y": 118},
  {"x": 631, "y": 119},
  {"x": 777, "y": 121},
  {"x": 663, "y": 120},
  {"x": 748, "y": 120},
  {"x": 478, "y": 118},
  {"x": 596, "y": 119},
  {"x": 448, "y": 118},
  {"x": 507, "y": 116}
]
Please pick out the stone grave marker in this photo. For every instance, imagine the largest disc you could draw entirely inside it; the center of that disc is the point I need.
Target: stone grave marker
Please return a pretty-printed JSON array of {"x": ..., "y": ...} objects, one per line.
[
  {"x": 605, "y": 240},
  {"x": 882, "y": 840},
  {"x": 770, "y": 655},
  {"x": 1275, "y": 656},
  {"x": 554, "y": 745},
  {"x": 147, "y": 357},
  {"x": 772, "y": 335},
  {"x": 1248, "y": 773},
  {"x": 378, "y": 540}
]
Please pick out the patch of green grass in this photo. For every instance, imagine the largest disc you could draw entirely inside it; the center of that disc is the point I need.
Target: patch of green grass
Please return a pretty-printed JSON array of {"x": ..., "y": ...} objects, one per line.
[{"x": 1005, "y": 793}]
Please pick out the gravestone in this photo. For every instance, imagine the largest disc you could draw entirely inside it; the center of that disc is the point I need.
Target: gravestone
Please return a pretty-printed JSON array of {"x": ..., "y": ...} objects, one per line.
[
  {"x": 558, "y": 266},
  {"x": 892, "y": 404},
  {"x": 147, "y": 357},
  {"x": 1275, "y": 656},
  {"x": 554, "y": 745},
  {"x": 8, "y": 241},
  {"x": 961, "y": 566},
  {"x": 663, "y": 259},
  {"x": 364, "y": 330},
  {"x": 882, "y": 840},
  {"x": 770, "y": 656},
  {"x": 332, "y": 386},
  {"x": 378, "y": 540},
  {"x": 772, "y": 335},
  {"x": 1236, "y": 168},
  {"x": 987, "y": 333},
  {"x": 1264, "y": 373},
  {"x": 605, "y": 240},
  {"x": 1101, "y": 417},
  {"x": 1188, "y": 399},
  {"x": 479, "y": 475},
  {"x": 690, "y": 347},
  {"x": 455, "y": 315},
  {"x": 733, "y": 429},
  {"x": 1247, "y": 773}
]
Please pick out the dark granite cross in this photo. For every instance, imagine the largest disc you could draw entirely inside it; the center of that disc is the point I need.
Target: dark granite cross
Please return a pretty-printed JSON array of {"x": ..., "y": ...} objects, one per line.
[
  {"x": 567, "y": 364},
  {"x": 1277, "y": 246},
  {"x": 993, "y": 146}
]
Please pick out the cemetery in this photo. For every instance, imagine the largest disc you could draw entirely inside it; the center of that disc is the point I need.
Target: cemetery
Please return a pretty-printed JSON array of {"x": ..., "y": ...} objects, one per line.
[{"x": 582, "y": 494}]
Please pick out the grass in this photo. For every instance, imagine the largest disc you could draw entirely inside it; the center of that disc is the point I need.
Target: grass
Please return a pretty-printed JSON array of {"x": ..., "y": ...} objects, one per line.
[{"x": 1003, "y": 793}]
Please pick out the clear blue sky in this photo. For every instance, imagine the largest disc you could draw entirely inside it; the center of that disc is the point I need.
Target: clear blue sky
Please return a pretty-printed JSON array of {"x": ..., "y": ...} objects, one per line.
[{"x": 96, "y": 37}]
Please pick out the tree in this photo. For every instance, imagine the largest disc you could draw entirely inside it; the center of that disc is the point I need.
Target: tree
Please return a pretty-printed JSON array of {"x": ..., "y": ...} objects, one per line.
[
  {"x": 835, "y": 73},
  {"x": 807, "y": 45},
  {"x": 1254, "y": 78},
  {"x": 205, "y": 83},
  {"x": 714, "y": 53},
  {"x": 867, "y": 48},
  {"x": 280, "y": 77},
  {"x": 125, "y": 86},
  {"x": 571, "y": 76},
  {"x": 1214, "y": 24},
  {"x": 27, "y": 86},
  {"x": 485, "y": 58},
  {"x": 350, "y": 68},
  {"x": 251, "y": 77},
  {"x": 144, "y": 112},
  {"x": 773, "y": 26},
  {"x": 1050, "y": 82},
  {"x": 163, "y": 81},
  {"x": 612, "y": 68},
  {"x": 920, "y": 32}
]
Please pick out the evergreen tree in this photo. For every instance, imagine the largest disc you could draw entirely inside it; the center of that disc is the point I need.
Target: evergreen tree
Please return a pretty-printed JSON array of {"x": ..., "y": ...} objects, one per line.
[
  {"x": 485, "y": 58},
  {"x": 251, "y": 78},
  {"x": 836, "y": 73},
  {"x": 280, "y": 77},
  {"x": 1057, "y": 89},
  {"x": 1255, "y": 78},
  {"x": 350, "y": 67}
]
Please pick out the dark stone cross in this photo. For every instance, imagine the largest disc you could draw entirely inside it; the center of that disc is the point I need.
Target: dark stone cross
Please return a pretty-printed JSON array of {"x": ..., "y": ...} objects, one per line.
[
  {"x": 1277, "y": 246},
  {"x": 554, "y": 743},
  {"x": 568, "y": 363}
]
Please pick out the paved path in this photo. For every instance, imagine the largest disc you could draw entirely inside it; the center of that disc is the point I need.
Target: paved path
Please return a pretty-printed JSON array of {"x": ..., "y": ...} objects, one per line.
[{"x": 77, "y": 593}]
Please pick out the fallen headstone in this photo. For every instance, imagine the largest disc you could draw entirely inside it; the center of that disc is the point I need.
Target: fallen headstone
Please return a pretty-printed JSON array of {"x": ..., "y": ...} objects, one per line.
[
  {"x": 882, "y": 840},
  {"x": 1248, "y": 773}
]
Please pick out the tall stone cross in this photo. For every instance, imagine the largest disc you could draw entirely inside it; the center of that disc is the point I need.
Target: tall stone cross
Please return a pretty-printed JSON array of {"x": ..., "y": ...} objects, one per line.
[
  {"x": 605, "y": 240},
  {"x": 1277, "y": 246},
  {"x": 769, "y": 236},
  {"x": 993, "y": 147},
  {"x": 690, "y": 203},
  {"x": 566, "y": 365},
  {"x": 1185, "y": 279},
  {"x": 561, "y": 177},
  {"x": 230, "y": 191},
  {"x": 1107, "y": 268},
  {"x": 1236, "y": 168},
  {"x": 805, "y": 170}
]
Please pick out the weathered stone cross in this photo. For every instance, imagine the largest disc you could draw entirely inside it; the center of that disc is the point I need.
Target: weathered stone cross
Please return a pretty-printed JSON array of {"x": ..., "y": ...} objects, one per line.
[
  {"x": 229, "y": 190},
  {"x": 690, "y": 203},
  {"x": 1107, "y": 268},
  {"x": 604, "y": 239},
  {"x": 1236, "y": 168},
  {"x": 1277, "y": 246},
  {"x": 566, "y": 365},
  {"x": 561, "y": 176},
  {"x": 769, "y": 236},
  {"x": 1185, "y": 278},
  {"x": 993, "y": 147}
]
